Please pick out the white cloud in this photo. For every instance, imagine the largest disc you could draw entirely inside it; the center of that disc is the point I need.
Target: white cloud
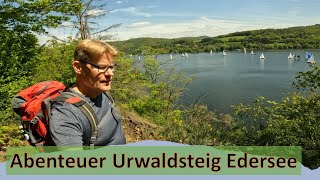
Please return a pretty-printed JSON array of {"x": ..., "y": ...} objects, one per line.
[
  {"x": 139, "y": 24},
  {"x": 67, "y": 24},
  {"x": 199, "y": 27},
  {"x": 95, "y": 12},
  {"x": 205, "y": 18},
  {"x": 119, "y": 2},
  {"x": 132, "y": 10},
  {"x": 295, "y": 12}
]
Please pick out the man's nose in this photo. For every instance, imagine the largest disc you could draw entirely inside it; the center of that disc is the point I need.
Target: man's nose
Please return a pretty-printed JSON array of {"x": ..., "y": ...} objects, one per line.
[{"x": 109, "y": 72}]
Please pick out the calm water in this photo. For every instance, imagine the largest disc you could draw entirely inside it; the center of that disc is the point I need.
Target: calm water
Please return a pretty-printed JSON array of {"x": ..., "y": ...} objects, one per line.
[{"x": 238, "y": 77}]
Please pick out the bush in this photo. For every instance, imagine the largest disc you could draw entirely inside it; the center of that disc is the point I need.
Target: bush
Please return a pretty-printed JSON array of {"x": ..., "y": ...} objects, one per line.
[{"x": 10, "y": 136}]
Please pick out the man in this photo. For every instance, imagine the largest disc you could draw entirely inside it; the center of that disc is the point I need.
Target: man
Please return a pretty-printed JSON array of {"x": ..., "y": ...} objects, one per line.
[{"x": 94, "y": 69}]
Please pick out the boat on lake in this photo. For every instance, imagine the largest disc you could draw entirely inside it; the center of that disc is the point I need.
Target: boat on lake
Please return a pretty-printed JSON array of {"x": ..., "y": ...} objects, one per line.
[
  {"x": 311, "y": 60},
  {"x": 308, "y": 55},
  {"x": 224, "y": 53}
]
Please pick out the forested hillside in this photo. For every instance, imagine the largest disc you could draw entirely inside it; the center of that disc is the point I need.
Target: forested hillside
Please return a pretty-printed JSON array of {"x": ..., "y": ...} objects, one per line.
[{"x": 307, "y": 37}]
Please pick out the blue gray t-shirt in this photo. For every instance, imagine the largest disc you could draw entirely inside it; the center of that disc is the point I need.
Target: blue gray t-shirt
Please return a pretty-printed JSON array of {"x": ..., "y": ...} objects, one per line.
[{"x": 70, "y": 127}]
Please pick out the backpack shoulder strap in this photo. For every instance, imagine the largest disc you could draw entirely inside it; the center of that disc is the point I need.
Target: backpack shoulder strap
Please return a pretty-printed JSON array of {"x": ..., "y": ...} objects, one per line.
[{"x": 86, "y": 109}]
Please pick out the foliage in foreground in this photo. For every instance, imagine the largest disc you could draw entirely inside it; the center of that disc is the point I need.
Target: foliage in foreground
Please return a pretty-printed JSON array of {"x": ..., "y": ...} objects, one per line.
[
  {"x": 196, "y": 125},
  {"x": 147, "y": 88}
]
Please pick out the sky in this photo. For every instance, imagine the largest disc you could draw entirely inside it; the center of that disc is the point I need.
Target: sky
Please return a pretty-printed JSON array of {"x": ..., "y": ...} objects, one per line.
[{"x": 182, "y": 18}]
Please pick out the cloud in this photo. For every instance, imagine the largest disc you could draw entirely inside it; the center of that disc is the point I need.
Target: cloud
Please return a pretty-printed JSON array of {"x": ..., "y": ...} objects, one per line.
[
  {"x": 205, "y": 18},
  {"x": 95, "y": 12},
  {"x": 295, "y": 12},
  {"x": 119, "y": 2},
  {"x": 67, "y": 24},
  {"x": 197, "y": 27},
  {"x": 139, "y": 24},
  {"x": 132, "y": 10}
]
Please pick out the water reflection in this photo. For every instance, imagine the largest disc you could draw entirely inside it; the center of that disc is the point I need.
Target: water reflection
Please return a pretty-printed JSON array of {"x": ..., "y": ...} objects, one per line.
[
  {"x": 262, "y": 64},
  {"x": 290, "y": 62}
]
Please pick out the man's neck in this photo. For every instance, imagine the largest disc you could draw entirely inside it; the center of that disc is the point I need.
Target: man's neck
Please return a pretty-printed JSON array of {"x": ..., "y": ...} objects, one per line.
[{"x": 85, "y": 91}]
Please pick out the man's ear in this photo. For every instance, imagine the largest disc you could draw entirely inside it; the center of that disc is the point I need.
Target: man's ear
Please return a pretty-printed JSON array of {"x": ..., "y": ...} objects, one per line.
[{"x": 76, "y": 67}]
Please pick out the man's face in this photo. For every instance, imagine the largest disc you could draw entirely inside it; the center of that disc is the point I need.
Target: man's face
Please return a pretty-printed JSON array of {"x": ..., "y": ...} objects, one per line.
[{"x": 97, "y": 76}]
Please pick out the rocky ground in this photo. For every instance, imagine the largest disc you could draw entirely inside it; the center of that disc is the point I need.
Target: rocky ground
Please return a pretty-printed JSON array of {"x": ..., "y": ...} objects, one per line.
[{"x": 137, "y": 128}]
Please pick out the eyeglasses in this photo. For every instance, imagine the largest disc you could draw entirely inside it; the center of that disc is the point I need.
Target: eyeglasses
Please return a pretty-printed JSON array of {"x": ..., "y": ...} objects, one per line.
[{"x": 102, "y": 69}]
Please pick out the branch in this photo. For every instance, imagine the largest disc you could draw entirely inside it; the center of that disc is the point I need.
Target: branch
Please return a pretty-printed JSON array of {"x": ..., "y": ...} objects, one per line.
[
  {"x": 56, "y": 38},
  {"x": 107, "y": 29}
]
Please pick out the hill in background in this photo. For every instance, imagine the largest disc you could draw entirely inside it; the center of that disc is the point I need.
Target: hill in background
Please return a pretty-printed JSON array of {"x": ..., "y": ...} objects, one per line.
[{"x": 303, "y": 37}]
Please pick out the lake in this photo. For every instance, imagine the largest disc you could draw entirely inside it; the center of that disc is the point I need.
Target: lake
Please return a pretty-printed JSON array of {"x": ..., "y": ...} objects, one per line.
[{"x": 238, "y": 77}]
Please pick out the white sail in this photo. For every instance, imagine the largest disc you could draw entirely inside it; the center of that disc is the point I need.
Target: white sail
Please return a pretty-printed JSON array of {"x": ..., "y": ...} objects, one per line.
[
  {"x": 186, "y": 54},
  {"x": 244, "y": 50},
  {"x": 261, "y": 56},
  {"x": 171, "y": 56},
  {"x": 311, "y": 60},
  {"x": 224, "y": 53},
  {"x": 290, "y": 56},
  {"x": 182, "y": 54},
  {"x": 252, "y": 53},
  {"x": 211, "y": 52}
]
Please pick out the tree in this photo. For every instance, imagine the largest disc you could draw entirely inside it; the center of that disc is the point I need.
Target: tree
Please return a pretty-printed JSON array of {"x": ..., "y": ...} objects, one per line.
[
  {"x": 84, "y": 20},
  {"x": 19, "y": 22},
  {"x": 309, "y": 80},
  {"x": 35, "y": 15},
  {"x": 54, "y": 63}
]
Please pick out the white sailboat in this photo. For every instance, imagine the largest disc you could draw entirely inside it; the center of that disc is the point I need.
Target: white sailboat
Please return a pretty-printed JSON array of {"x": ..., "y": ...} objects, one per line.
[
  {"x": 311, "y": 60},
  {"x": 171, "y": 56},
  {"x": 210, "y": 51},
  {"x": 244, "y": 50},
  {"x": 252, "y": 53},
  {"x": 186, "y": 54},
  {"x": 182, "y": 54},
  {"x": 224, "y": 53},
  {"x": 290, "y": 56},
  {"x": 262, "y": 56}
]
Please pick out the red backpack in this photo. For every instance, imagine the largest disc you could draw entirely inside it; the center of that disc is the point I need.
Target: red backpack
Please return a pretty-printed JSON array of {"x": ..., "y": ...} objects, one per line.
[{"x": 34, "y": 103}]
